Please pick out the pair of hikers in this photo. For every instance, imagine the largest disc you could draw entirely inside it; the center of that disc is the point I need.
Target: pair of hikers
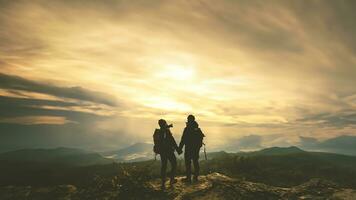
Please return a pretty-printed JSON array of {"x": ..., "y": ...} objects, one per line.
[{"x": 165, "y": 145}]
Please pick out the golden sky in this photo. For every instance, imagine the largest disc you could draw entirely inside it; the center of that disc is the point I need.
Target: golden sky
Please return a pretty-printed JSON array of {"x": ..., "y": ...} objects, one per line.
[{"x": 276, "y": 70}]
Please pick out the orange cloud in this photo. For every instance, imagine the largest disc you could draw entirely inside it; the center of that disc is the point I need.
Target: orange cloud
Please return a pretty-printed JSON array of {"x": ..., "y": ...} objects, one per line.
[{"x": 33, "y": 120}]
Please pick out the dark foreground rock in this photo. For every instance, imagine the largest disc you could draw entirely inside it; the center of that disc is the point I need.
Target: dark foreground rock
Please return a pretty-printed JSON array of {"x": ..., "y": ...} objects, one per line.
[
  {"x": 209, "y": 187},
  {"x": 217, "y": 186}
]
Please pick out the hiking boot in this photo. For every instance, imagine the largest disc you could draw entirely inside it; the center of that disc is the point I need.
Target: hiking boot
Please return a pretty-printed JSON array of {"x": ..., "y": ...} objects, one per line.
[{"x": 173, "y": 181}]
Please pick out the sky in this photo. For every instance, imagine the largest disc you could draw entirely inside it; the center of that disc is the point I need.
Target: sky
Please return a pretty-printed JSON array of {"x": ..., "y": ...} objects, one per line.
[{"x": 99, "y": 74}]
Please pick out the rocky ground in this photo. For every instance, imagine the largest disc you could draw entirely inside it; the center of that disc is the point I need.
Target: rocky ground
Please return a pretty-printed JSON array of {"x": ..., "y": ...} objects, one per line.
[
  {"x": 218, "y": 186},
  {"x": 209, "y": 187}
]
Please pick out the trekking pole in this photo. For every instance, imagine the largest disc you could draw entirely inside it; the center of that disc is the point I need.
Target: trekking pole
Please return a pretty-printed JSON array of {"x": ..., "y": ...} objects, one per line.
[{"x": 206, "y": 158}]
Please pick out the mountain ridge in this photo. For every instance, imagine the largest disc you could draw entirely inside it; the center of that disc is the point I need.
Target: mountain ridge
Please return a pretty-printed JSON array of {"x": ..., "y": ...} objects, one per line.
[
  {"x": 343, "y": 144},
  {"x": 60, "y": 155}
]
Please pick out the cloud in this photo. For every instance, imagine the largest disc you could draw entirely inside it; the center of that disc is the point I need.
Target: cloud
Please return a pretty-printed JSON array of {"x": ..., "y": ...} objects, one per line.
[
  {"x": 35, "y": 114},
  {"x": 249, "y": 142},
  {"x": 341, "y": 119},
  {"x": 269, "y": 68},
  {"x": 78, "y": 93},
  {"x": 308, "y": 142},
  {"x": 30, "y": 120},
  {"x": 19, "y": 136},
  {"x": 22, "y": 108},
  {"x": 26, "y": 101}
]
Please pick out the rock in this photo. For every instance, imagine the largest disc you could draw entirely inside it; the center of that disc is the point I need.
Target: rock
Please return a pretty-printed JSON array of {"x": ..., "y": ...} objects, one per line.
[
  {"x": 220, "y": 187},
  {"x": 344, "y": 194},
  {"x": 313, "y": 189}
]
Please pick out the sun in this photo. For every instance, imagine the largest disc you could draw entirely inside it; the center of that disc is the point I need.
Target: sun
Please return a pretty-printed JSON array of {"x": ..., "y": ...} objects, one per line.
[{"x": 177, "y": 72}]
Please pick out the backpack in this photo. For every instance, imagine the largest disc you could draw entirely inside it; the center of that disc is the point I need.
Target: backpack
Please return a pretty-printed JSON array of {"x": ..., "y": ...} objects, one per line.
[
  {"x": 195, "y": 138},
  {"x": 198, "y": 137},
  {"x": 157, "y": 141}
]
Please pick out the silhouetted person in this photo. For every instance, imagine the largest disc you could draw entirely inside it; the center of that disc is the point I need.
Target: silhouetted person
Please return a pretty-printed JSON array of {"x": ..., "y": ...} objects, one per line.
[
  {"x": 192, "y": 138},
  {"x": 165, "y": 145}
]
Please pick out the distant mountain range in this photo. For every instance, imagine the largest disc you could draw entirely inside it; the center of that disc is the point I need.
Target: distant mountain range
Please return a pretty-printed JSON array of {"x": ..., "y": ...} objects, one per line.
[
  {"x": 275, "y": 151},
  {"x": 344, "y": 144},
  {"x": 64, "y": 156},
  {"x": 143, "y": 152},
  {"x": 284, "y": 166},
  {"x": 272, "y": 151},
  {"x": 340, "y": 145},
  {"x": 277, "y": 166}
]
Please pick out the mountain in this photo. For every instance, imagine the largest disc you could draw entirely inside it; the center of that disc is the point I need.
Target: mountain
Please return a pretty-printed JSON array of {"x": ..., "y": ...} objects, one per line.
[
  {"x": 286, "y": 166},
  {"x": 218, "y": 154},
  {"x": 278, "y": 151},
  {"x": 344, "y": 144},
  {"x": 134, "y": 153},
  {"x": 272, "y": 151},
  {"x": 62, "y": 155}
]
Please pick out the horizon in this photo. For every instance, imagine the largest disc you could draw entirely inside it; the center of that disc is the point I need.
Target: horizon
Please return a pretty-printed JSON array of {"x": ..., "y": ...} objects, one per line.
[
  {"x": 98, "y": 75},
  {"x": 178, "y": 156},
  {"x": 333, "y": 149}
]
